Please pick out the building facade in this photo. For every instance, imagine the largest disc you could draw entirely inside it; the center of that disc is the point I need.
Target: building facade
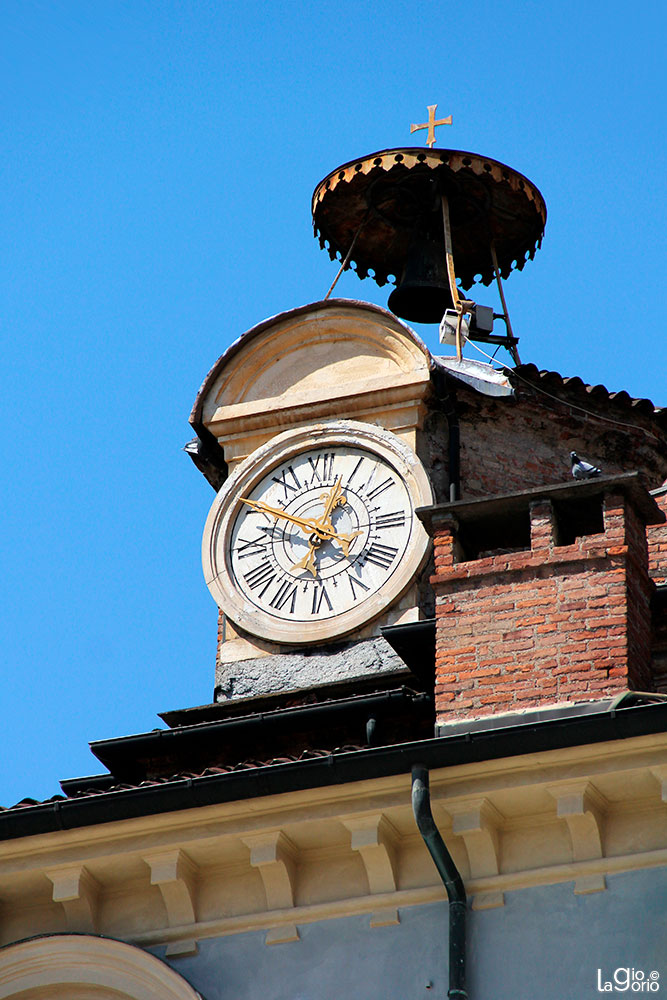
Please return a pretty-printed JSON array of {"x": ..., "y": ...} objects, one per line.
[{"x": 435, "y": 761}]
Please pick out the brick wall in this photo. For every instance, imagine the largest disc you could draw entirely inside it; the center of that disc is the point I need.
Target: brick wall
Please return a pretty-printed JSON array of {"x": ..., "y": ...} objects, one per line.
[
  {"x": 517, "y": 444},
  {"x": 657, "y": 545},
  {"x": 550, "y": 624}
]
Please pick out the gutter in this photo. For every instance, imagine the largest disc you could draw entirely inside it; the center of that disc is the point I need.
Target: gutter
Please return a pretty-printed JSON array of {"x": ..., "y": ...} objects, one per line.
[
  {"x": 120, "y": 754},
  {"x": 334, "y": 769}
]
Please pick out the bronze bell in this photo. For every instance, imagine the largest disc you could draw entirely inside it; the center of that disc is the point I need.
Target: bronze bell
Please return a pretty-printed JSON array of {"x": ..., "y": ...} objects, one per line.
[{"x": 423, "y": 294}]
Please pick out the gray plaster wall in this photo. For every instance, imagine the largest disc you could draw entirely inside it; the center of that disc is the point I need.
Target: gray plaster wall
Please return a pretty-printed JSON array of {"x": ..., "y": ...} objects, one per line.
[
  {"x": 306, "y": 668},
  {"x": 545, "y": 943}
]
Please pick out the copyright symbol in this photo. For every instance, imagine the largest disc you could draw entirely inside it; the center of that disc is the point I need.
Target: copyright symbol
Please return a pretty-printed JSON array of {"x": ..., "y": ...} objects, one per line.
[{"x": 654, "y": 976}]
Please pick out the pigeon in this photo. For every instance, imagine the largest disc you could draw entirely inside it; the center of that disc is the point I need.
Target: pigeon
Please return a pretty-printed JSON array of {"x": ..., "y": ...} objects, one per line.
[{"x": 581, "y": 469}]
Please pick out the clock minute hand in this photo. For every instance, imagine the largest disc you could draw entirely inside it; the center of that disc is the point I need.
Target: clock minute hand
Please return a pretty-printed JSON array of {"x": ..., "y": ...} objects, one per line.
[
  {"x": 264, "y": 508},
  {"x": 311, "y": 527}
]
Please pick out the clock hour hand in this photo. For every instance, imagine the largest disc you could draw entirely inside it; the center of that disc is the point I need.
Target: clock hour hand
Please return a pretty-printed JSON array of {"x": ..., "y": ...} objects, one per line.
[
  {"x": 332, "y": 500},
  {"x": 309, "y": 562},
  {"x": 344, "y": 541}
]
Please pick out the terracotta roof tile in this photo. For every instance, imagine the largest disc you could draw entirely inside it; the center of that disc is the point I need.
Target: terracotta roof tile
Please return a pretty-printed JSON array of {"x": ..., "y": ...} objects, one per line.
[
  {"x": 550, "y": 379},
  {"x": 244, "y": 765}
]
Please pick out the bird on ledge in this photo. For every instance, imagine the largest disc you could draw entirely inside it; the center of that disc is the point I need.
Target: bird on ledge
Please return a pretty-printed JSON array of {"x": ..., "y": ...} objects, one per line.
[{"x": 582, "y": 469}]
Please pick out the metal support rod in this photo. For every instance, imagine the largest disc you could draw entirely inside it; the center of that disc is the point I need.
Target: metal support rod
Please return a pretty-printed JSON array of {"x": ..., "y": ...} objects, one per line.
[
  {"x": 348, "y": 255},
  {"x": 449, "y": 255},
  {"x": 451, "y": 878},
  {"x": 451, "y": 274},
  {"x": 512, "y": 347}
]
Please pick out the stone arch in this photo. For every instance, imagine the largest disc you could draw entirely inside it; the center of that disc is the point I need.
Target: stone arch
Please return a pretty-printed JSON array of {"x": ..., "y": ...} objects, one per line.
[
  {"x": 85, "y": 967},
  {"x": 336, "y": 359}
]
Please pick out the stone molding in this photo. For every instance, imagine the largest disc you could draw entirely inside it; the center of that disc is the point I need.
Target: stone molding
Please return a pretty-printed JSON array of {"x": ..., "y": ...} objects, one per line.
[
  {"x": 80, "y": 966},
  {"x": 329, "y": 359},
  {"x": 575, "y": 815}
]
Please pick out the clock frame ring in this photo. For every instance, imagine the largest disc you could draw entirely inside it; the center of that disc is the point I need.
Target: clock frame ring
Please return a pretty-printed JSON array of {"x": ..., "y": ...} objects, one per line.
[{"x": 380, "y": 573}]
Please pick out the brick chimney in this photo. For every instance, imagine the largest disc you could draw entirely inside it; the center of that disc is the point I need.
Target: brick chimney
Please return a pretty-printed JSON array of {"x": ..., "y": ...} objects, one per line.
[{"x": 542, "y": 597}]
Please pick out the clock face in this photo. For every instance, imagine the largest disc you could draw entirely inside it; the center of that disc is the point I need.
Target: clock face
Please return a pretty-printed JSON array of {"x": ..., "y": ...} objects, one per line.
[{"x": 318, "y": 540}]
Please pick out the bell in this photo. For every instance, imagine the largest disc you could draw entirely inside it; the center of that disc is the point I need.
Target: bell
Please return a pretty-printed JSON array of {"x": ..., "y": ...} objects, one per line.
[{"x": 423, "y": 294}]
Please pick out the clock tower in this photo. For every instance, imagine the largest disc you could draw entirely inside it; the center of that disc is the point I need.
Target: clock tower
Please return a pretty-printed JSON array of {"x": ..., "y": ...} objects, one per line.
[
  {"x": 312, "y": 544},
  {"x": 325, "y": 429}
]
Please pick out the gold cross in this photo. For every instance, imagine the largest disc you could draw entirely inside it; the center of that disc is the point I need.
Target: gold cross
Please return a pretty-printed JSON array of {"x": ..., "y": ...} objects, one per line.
[{"x": 431, "y": 124}]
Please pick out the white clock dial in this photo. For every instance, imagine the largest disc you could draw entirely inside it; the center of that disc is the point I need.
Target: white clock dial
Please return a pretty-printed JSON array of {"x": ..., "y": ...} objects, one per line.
[
  {"x": 312, "y": 563},
  {"x": 319, "y": 540}
]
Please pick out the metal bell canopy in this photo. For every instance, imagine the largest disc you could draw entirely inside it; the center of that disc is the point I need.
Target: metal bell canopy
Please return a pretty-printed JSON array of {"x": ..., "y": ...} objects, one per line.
[{"x": 386, "y": 214}]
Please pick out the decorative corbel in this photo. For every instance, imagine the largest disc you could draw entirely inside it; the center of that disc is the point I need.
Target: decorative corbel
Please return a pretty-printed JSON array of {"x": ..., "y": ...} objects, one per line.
[
  {"x": 660, "y": 774},
  {"x": 375, "y": 839},
  {"x": 274, "y": 855},
  {"x": 78, "y": 892},
  {"x": 478, "y": 822},
  {"x": 582, "y": 807},
  {"x": 175, "y": 875}
]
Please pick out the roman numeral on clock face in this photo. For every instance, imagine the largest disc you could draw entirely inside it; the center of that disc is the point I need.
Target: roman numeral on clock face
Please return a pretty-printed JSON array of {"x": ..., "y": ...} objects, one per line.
[
  {"x": 356, "y": 582},
  {"x": 252, "y": 547},
  {"x": 286, "y": 593},
  {"x": 260, "y": 576},
  {"x": 380, "y": 488},
  {"x": 353, "y": 473},
  {"x": 322, "y": 466},
  {"x": 372, "y": 491},
  {"x": 283, "y": 481},
  {"x": 381, "y": 555},
  {"x": 320, "y": 595},
  {"x": 393, "y": 520}
]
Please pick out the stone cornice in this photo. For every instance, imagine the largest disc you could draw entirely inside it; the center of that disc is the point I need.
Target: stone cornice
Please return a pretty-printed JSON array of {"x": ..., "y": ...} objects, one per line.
[{"x": 536, "y": 819}]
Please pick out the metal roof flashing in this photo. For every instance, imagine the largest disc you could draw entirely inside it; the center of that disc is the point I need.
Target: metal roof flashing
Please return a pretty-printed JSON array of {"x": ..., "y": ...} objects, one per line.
[{"x": 535, "y": 734}]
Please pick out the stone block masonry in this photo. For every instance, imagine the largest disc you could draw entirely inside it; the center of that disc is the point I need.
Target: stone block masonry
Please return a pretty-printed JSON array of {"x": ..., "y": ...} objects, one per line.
[{"x": 545, "y": 623}]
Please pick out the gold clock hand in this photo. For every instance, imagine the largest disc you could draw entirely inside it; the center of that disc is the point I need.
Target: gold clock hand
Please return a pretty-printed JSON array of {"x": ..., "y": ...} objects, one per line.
[
  {"x": 344, "y": 542},
  {"x": 332, "y": 499},
  {"x": 308, "y": 562},
  {"x": 317, "y": 528},
  {"x": 264, "y": 508}
]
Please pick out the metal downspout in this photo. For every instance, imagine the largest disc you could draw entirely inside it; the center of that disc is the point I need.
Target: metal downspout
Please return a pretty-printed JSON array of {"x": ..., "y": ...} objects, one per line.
[
  {"x": 448, "y": 399},
  {"x": 454, "y": 456},
  {"x": 421, "y": 807}
]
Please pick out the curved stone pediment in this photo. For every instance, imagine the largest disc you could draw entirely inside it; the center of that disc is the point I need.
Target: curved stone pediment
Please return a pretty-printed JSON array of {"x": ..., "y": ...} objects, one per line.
[{"x": 337, "y": 358}]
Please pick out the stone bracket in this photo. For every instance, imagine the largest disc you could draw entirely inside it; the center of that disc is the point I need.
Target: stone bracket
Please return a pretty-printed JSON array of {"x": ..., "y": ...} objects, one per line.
[
  {"x": 274, "y": 855},
  {"x": 488, "y": 900},
  {"x": 282, "y": 935},
  {"x": 582, "y": 807},
  {"x": 375, "y": 839},
  {"x": 78, "y": 892},
  {"x": 385, "y": 918},
  {"x": 660, "y": 774},
  {"x": 478, "y": 822},
  {"x": 176, "y": 877}
]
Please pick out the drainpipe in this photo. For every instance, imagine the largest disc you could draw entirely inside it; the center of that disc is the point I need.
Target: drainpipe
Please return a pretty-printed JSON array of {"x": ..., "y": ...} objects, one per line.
[
  {"x": 448, "y": 399},
  {"x": 454, "y": 457},
  {"x": 421, "y": 807}
]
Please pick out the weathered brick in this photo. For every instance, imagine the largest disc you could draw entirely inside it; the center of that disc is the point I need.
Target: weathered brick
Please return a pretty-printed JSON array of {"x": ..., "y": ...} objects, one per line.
[{"x": 550, "y": 624}]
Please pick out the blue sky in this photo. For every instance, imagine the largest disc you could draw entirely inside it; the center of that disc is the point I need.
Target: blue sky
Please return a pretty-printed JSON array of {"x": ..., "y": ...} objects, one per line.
[{"x": 158, "y": 162}]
